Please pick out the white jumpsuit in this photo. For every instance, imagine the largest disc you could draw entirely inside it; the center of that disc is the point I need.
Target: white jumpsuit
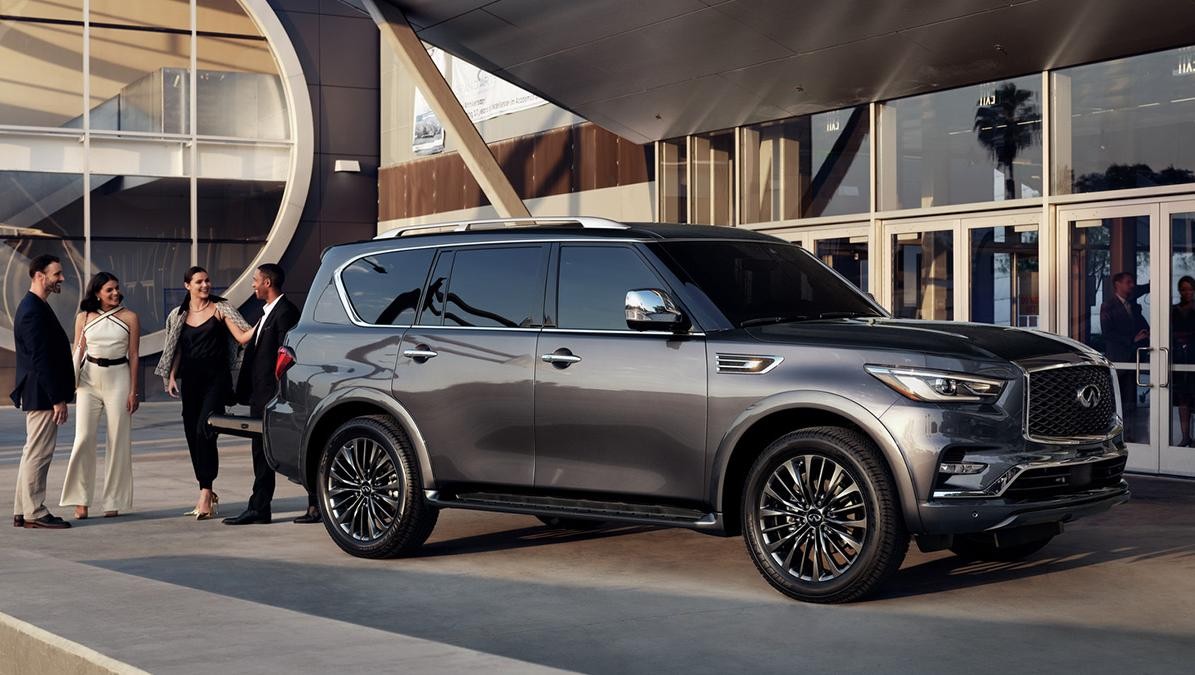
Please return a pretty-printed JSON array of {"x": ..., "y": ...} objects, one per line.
[{"x": 103, "y": 390}]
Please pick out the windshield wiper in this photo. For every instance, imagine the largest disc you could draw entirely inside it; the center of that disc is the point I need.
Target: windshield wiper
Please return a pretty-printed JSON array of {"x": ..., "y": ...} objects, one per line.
[
  {"x": 843, "y": 315},
  {"x": 772, "y": 319}
]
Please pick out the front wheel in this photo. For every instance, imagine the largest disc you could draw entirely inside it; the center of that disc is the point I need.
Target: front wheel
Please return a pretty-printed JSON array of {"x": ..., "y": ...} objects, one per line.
[
  {"x": 821, "y": 517},
  {"x": 370, "y": 490}
]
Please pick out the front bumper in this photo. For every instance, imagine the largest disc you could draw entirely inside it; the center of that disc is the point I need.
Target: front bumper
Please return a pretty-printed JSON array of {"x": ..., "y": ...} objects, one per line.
[{"x": 967, "y": 516}]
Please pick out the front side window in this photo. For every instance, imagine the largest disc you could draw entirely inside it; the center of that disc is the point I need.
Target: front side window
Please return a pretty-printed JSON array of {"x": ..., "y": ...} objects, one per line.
[
  {"x": 756, "y": 283},
  {"x": 384, "y": 288},
  {"x": 496, "y": 288},
  {"x": 593, "y": 285}
]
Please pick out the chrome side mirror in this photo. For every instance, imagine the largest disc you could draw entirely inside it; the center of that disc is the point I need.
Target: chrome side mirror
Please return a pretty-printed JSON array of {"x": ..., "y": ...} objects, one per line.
[{"x": 653, "y": 309}]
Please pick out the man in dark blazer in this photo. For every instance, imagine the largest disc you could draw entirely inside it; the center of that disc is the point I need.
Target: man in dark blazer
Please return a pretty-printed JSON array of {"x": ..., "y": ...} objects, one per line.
[
  {"x": 45, "y": 384},
  {"x": 256, "y": 384},
  {"x": 1125, "y": 330}
]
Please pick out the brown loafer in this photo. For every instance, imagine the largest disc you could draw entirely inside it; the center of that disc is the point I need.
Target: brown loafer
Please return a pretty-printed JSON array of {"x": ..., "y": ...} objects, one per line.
[{"x": 18, "y": 521}]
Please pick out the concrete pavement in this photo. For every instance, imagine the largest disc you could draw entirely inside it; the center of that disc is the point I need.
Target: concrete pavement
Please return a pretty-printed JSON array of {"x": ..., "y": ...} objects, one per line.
[{"x": 172, "y": 595}]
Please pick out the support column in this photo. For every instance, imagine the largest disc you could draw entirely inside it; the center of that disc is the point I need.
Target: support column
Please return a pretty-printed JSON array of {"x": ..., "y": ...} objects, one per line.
[{"x": 397, "y": 34}]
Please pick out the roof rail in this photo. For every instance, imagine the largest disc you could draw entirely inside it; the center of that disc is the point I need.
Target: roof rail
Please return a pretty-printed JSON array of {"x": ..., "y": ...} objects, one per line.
[{"x": 586, "y": 222}]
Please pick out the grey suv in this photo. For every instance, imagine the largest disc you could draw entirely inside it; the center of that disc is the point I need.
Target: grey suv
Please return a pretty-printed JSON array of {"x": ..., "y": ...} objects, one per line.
[{"x": 585, "y": 371}]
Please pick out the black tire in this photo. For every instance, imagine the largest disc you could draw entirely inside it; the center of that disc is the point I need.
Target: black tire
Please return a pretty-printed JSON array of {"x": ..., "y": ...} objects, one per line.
[
  {"x": 355, "y": 515},
  {"x": 579, "y": 524},
  {"x": 986, "y": 550},
  {"x": 800, "y": 527}
]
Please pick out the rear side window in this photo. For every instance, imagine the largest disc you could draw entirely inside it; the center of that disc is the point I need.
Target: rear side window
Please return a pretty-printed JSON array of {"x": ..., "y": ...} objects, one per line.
[
  {"x": 593, "y": 285},
  {"x": 496, "y": 287},
  {"x": 384, "y": 288}
]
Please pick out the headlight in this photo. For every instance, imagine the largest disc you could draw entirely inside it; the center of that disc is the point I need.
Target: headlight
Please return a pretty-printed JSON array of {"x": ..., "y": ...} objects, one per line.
[{"x": 938, "y": 386}]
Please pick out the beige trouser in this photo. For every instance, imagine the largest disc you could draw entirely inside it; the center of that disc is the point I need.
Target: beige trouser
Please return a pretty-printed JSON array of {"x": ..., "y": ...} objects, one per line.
[
  {"x": 40, "y": 436},
  {"x": 102, "y": 392}
]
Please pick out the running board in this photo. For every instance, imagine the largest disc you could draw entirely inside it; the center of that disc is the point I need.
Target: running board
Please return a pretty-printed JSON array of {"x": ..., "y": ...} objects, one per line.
[
  {"x": 235, "y": 425},
  {"x": 590, "y": 509}
]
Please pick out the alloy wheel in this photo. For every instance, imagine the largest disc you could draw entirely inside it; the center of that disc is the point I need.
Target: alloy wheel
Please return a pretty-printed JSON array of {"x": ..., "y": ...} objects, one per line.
[{"x": 365, "y": 489}]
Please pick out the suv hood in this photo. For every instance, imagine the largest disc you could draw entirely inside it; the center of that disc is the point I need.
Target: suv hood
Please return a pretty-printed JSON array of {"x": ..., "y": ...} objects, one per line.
[{"x": 942, "y": 338}]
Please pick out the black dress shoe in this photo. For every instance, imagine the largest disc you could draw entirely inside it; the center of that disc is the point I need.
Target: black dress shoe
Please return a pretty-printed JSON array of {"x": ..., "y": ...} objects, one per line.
[
  {"x": 47, "y": 522},
  {"x": 250, "y": 517},
  {"x": 312, "y": 516},
  {"x": 18, "y": 521}
]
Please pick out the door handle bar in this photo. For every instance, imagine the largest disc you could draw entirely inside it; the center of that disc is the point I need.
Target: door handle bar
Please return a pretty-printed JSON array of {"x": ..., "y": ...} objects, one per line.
[
  {"x": 1147, "y": 385},
  {"x": 560, "y": 358},
  {"x": 1165, "y": 367},
  {"x": 420, "y": 354}
]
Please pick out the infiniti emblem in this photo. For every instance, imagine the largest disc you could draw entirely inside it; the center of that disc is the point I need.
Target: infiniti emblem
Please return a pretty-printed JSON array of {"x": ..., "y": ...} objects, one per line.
[{"x": 1089, "y": 396}]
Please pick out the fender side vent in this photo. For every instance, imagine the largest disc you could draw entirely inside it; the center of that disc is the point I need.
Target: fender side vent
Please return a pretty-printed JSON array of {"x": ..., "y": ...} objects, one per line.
[{"x": 747, "y": 364}]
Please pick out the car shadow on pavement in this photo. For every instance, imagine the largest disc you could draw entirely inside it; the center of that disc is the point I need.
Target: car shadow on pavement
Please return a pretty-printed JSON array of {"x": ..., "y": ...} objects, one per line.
[{"x": 523, "y": 537}]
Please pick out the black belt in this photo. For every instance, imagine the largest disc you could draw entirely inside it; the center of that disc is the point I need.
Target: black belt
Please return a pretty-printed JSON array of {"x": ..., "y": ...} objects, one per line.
[{"x": 104, "y": 363}]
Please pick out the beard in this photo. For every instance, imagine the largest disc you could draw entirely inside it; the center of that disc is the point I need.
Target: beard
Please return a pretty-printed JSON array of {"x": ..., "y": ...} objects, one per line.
[{"x": 55, "y": 287}]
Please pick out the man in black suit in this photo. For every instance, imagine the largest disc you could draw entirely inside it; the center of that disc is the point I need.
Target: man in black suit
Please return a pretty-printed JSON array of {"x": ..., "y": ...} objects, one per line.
[
  {"x": 45, "y": 384},
  {"x": 1125, "y": 330},
  {"x": 257, "y": 384}
]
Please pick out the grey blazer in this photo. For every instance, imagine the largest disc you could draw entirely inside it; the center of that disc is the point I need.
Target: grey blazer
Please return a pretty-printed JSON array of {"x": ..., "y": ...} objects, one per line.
[{"x": 174, "y": 328}]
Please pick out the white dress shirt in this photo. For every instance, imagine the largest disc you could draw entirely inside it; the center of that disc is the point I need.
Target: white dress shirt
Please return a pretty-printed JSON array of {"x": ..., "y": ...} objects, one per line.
[{"x": 265, "y": 312}]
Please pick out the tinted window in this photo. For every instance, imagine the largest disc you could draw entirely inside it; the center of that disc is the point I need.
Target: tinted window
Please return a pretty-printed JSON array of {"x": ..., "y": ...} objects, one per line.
[
  {"x": 594, "y": 281},
  {"x": 498, "y": 287},
  {"x": 384, "y": 288},
  {"x": 437, "y": 291},
  {"x": 328, "y": 308},
  {"x": 754, "y": 283}
]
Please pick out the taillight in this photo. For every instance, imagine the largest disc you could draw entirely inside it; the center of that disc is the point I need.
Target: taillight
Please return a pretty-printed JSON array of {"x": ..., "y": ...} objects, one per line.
[{"x": 286, "y": 359}]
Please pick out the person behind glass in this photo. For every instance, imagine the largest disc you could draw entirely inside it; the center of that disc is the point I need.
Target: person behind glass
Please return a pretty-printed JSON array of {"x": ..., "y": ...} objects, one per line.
[
  {"x": 200, "y": 357},
  {"x": 256, "y": 385},
  {"x": 108, "y": 334},
  {"x": 1125, "y": 330},
  {"x": 1182, "y": 334},
  {"x": 45, "y": 384}
]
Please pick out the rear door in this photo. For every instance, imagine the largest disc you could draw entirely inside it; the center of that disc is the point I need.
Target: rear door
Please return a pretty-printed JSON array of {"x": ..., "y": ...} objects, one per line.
[
  {"x": 466, "y": 368},
  {"x": 628, "y": 414}
]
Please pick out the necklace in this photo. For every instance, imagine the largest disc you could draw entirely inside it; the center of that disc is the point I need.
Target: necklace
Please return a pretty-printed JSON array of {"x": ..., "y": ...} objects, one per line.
[{"x": 200, "y": 309}]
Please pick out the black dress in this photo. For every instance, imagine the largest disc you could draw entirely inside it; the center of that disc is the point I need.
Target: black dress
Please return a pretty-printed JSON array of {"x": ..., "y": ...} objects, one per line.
[
  {"x": 205, "y": 383},
  {"x": 1182, "y": 330}
]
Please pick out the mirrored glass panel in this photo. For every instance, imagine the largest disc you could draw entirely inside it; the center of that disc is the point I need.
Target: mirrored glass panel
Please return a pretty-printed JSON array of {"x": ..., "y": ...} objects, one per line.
[
  {"x": 1128, "y": 123},
  {"x": 141, "y": 207},
  {"x": 239, "y": 91},
  {"x": 1005, "y": 275},
  {"x": 674, "y": 181},
  {"x": 140, "y": 80},
  {"x": 41, "y": 73},
  {"x": 67, "y": 10},
  {"x": 923, "y": 275},
  {"x": 847, "y": 256},
  {"x": 234, "y": 220},
  {"x": 171, "y": 14},
  {"x": 973, "y": 144},
  {"x": 1109, "y": 300},
  {"x": 713, "y": 178},
  {"x": 1182, "y": 327},
  {"x": 150, "y": 273}
]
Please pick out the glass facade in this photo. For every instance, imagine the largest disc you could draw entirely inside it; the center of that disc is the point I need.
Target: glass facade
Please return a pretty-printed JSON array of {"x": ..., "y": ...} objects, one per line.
[
  {"x": 712, "y": 190},
  {"x": 142, "y": 179},
  {"x": 1005, "y": 276},
  {"x": 1128, "y": 123}
]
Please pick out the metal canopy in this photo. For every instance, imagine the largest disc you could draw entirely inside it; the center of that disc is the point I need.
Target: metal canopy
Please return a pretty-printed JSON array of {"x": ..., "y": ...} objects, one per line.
[{"x": 653, "y": 69}]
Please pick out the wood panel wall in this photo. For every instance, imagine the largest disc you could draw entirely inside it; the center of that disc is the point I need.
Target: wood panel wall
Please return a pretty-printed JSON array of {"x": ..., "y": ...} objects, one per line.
[{"x": 559, "y": 161}]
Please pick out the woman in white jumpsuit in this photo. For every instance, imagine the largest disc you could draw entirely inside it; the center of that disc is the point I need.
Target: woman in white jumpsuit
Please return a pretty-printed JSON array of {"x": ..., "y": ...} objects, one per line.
[{"x": 108, "y": 335}]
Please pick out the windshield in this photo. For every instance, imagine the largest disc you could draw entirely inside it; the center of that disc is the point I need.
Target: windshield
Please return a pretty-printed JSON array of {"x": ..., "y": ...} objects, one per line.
[{"x": 756, "y": 283}]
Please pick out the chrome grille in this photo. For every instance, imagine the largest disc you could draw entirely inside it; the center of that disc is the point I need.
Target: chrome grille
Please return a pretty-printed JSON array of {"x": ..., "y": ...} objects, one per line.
[{"x": 1055, "y": 410}]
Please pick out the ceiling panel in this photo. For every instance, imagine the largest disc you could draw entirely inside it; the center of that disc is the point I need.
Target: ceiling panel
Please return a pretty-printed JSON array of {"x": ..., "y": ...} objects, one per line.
[{"x": 707, "y": 64}]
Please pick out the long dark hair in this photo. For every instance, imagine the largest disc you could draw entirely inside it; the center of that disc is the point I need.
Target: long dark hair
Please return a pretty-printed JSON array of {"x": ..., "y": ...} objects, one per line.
[
  {"x": 192, "y": 271},
  {"x": 90, "y": 302}
]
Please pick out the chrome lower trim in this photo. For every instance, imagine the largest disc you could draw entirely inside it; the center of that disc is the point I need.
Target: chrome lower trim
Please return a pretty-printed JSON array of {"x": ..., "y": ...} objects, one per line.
[{"x": 1005, "y": 481}]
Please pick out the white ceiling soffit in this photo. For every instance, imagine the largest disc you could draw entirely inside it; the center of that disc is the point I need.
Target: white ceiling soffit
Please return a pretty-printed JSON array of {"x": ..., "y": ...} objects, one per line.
[{"x": 665, "y": 68}]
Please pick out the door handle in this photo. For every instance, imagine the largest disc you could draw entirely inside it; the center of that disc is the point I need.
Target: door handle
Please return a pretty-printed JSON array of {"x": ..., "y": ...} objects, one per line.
[
  {"x": 1165, "y": 367},
  {"x": 561, "y": 358},
  {"x": 421, "y": 353},
  {"x": 1148, "y": 385}
]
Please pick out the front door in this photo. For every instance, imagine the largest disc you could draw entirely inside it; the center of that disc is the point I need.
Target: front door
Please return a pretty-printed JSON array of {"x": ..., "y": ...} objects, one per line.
[
  {"x": 1176, "y": 452},
  {"x": 616, "y": 410}
]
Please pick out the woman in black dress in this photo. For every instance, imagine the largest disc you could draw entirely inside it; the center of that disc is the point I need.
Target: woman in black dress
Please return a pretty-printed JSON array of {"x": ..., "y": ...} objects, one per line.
[
  {"x": 201, "y": 354},
  {"x": 1182, "y": 337}
]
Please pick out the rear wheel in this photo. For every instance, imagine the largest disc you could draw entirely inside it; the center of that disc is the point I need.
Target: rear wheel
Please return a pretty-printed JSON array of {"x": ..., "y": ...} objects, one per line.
[
  {"x": 370, "y": 490},
  {"x": 987, "y": 551},
  {"x": 821, "y": 518}
]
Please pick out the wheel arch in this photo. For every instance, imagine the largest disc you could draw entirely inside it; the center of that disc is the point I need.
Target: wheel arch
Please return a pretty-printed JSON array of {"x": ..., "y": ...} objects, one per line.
[
  {"x": 769, "y": 419},
  {"x": 341, "y": 407}
]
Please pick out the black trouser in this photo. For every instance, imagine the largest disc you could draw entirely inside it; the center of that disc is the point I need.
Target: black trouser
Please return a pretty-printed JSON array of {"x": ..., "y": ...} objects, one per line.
[
  {"x": 203, "y": 395},
  {"x": 263, "y": 475}
]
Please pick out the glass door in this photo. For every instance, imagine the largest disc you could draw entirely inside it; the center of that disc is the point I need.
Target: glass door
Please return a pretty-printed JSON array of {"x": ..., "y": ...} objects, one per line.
[
  {"x": 844, "y": 248},
  {"x": 920, "y": 283},
  {"x": 1002, "y": 273},
  {"x": 1112, "y": 297},
  {"x": 1177, "y": 449}
]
